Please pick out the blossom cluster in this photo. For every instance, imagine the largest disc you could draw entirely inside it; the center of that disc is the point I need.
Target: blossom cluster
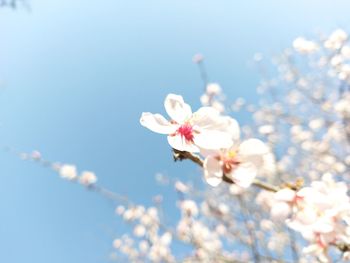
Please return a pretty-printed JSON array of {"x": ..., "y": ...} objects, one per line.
[
  {"x": 65, "y": 171},
  {"x": 152, "y": 243},
  {"x": 278, "y": 187},
  {"x": 305, "y": 122},
  {"x": 320, "y": 212},
  {"x": 214, "y": 136}
]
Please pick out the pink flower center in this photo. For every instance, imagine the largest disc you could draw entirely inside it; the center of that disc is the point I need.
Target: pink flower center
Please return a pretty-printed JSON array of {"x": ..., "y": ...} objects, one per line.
[
  {"x": 297, "y": 199},
  {"x": 229, "y": 161},
  {"x": 186, "y": 131},
  {"x": 319, "y": 241},
  {"x": 229, "y": 165}
]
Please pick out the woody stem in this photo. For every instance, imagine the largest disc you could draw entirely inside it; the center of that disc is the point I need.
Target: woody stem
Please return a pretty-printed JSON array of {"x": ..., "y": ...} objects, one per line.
[{"x": 182, "y": 155}]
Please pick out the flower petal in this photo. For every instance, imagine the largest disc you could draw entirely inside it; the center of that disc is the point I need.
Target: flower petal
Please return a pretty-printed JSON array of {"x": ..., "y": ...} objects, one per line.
[
  {"x": 232, "y": 127},
  {"x": 212, "y": 140},
  {"x": 157, "y": 123},
  {"x": 210, "y": 118},
  {"x": 212, "y": 171},
  {"x": 177, "y": 109},
  {"x": 207, "y": 118},
  {"x": 68, "y": 171},
  {"x": 323, "y": 226},
  {"x": 205, "y": 152},
  {"x": 180, "y": 143},
  {"x": 253, "y": 147},
  {"x": 253, "y": 151},
  {"x": 244, "y": 174},
  {"x": 285, "y": 194},
  {"x": 280, "y": 211}
]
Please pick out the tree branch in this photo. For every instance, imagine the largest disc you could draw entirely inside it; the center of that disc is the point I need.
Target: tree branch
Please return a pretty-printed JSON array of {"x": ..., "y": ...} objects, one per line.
[{"x": 182, "y": 155}]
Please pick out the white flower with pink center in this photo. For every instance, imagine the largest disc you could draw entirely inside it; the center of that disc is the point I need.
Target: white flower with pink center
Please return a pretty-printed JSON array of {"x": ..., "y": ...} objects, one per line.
[
  {"x": 320, "y": 213},
  {"x": 240, "y": 163},
  {"x": 187, "y": 131},
  {"x": 87, "y": 178}
]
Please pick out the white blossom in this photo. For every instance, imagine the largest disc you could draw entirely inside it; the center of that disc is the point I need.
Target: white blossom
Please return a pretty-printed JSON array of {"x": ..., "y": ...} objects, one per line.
[
  {"x": 87, "y": 178},
  {"x": 189, "y": 131},
  {"x": 68, "y": 172},
  {"x": 239, "y": 163}
]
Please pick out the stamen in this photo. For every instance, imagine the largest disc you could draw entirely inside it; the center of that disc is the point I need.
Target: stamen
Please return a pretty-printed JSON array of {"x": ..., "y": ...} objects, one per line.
[
  {"x": 230, "y": 162},
  {"x": 186, "y": 131}
]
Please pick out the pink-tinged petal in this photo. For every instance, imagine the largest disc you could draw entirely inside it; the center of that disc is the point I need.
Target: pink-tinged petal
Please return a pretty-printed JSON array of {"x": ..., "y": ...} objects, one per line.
[
  {"x": 253, "y": 147},
  {"x": 181, "y": 144},
  {"x": 286, "y": 195},
  {"x": 307, "y": 216},
  {"x": 157, "y": 123},
  {"x": 307, "y": 193},
  {"x": 244, "y": 174},
  {"x": 177, "y": 109},
  {"x": 205, "y": 152},
  {"x": 269, "y": 164},
  {"x": 280, "y": 211},
  {"x": 212, "y": 171},
  {"x": 257, "y": 160},
  {"x": 307, "y": 232},
  {"x": 316, "y": 249},
  {"x": 298, "y": 226},
  {"x": 212, "y": 140},
  {"x": 232, "y": 127},
  {"x": 207, "y": 118},
  {"x": 253, "y": 151},
  {"x": 210, "y": 119},
  {"x": 323, "y": 226}
]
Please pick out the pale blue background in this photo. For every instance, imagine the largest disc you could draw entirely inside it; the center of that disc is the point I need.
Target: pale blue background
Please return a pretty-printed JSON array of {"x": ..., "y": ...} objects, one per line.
[{"x": 77, "y": 76}]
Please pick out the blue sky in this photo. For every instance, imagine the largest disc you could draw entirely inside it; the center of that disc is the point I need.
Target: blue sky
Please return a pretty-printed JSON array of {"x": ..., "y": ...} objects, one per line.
[{"x": 76, "y": 76}]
